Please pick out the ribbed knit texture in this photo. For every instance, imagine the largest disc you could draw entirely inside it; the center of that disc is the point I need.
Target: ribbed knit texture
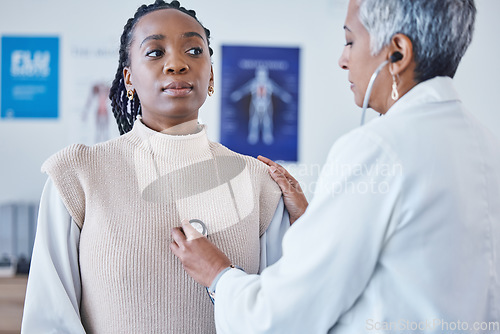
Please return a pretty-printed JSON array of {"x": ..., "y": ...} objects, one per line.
[{"x": 127, "y": 194}]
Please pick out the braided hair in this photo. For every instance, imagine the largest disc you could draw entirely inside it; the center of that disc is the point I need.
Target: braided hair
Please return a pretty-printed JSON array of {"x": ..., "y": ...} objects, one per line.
[{"x": 125, "y": 110}]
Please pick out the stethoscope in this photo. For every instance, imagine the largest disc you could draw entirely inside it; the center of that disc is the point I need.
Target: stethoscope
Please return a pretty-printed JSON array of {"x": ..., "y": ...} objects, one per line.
[
  {"x": 396, "y": 56},
  {"x": 199, "y": 226}
]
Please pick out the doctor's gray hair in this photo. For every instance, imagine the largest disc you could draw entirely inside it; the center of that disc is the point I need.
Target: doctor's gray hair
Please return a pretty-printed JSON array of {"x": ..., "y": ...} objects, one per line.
[{"x": 440, "y": 30}]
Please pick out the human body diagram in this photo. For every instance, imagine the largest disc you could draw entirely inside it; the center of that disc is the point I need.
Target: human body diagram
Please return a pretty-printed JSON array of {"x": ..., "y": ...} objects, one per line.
[{"x": 261, "y": 88}]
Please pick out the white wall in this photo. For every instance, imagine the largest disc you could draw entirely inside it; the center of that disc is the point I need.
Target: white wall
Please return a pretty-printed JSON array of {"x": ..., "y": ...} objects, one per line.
[{"x": 325, "y": 102}]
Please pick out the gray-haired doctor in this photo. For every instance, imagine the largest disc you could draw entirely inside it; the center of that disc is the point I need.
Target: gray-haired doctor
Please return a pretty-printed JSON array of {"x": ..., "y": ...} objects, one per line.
[{"x": 403, "y": 233}]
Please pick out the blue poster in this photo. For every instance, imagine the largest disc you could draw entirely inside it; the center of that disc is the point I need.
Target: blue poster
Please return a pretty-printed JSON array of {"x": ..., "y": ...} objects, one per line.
[
  {"x": 30, "y": 77},
  {"x": 259, "y": 109}
]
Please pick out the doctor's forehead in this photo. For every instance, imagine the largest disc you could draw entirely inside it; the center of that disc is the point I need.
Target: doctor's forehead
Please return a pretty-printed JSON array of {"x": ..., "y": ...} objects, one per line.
[{"x": 352, "y": 18}]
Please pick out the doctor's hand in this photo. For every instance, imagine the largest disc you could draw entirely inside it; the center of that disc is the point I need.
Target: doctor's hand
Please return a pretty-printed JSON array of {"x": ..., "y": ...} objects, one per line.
[
  {"x": 201, "y": 259},
  {"x": 293, "y": 196}
]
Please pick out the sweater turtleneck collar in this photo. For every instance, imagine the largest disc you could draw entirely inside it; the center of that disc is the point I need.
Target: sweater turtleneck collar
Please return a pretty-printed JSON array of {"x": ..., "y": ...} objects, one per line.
[{"x": 175, "y": 148}]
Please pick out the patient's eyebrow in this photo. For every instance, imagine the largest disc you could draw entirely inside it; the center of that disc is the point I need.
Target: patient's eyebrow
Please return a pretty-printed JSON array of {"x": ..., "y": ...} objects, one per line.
[
  {"x": 160, "y": 37},
  {"x": 192, "y": 34},
  {"x": 157, "y": 37}
]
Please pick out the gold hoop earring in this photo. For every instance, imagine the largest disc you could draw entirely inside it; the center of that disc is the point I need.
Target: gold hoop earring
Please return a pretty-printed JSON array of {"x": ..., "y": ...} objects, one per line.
[
  {"x": 394, "y": 94},
  {"x": 211, "y": 90},
  {"x": 130, "y": 94}
]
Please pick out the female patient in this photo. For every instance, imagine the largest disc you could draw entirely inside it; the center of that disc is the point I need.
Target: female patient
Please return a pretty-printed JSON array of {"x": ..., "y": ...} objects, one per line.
[{"x": 101, "y": 259}]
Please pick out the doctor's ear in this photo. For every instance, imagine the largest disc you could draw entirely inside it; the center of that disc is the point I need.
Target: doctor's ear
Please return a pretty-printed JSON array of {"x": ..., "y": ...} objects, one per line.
[{"x": 400, "y": 54}]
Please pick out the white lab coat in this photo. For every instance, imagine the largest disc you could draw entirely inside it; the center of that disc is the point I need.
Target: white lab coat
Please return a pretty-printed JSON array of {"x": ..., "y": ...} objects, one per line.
[{"x": 402, "y": 234}]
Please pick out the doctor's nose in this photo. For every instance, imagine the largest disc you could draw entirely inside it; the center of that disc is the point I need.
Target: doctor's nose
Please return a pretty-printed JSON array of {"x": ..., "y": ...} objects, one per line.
[
  {"x": 175, "y": 65},
  {"x": 344, "y": 60}
]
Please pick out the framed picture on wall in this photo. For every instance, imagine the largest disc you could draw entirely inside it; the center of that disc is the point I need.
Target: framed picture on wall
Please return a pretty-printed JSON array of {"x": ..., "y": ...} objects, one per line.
[
  {"x": 30, "y": 77},
  {"x": 259, "y": 109}
]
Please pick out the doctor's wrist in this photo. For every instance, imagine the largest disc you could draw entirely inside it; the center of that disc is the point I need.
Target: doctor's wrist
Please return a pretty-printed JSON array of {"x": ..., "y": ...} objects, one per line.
[{"x": 211, "y": 289}]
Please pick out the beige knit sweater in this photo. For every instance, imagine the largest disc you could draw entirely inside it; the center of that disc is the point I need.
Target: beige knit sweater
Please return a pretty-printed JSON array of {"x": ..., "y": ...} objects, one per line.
[{"x": 127, "y": 194}]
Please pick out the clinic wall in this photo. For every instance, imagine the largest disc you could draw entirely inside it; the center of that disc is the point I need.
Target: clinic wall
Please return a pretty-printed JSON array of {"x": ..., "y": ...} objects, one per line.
[{"x": 326, "y": 109}]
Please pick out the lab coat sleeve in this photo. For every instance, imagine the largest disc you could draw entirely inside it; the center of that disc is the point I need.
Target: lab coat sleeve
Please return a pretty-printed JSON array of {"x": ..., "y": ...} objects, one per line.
[
  {"x": 271, "y": 240},
  {"x": 54, "y": 288},
  {"x": 329, "y": 254}
]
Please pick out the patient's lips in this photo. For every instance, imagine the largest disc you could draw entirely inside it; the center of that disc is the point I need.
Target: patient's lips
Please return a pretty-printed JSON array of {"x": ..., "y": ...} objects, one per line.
[{"x": 178, "y": 88}]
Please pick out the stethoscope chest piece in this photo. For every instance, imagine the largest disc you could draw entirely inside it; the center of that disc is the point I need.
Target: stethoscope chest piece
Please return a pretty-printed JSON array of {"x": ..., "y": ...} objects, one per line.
[{"x": 199, "y": 226}]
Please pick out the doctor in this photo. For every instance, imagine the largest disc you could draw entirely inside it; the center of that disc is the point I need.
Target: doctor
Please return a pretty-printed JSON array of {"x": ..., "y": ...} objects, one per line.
[{"x": 403, "y": 233}]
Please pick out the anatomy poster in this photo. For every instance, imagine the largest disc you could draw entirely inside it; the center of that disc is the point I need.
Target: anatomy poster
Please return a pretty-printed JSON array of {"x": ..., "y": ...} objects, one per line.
[
  {"x": 91, "y": 66},
  {"x": 259, "y": 109},
  {"x": 30, "y": 77}
]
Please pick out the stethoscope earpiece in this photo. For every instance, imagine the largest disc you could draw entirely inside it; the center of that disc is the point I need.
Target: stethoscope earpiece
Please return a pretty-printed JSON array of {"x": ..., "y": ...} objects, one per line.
[{"x": 396, "y": 56}]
